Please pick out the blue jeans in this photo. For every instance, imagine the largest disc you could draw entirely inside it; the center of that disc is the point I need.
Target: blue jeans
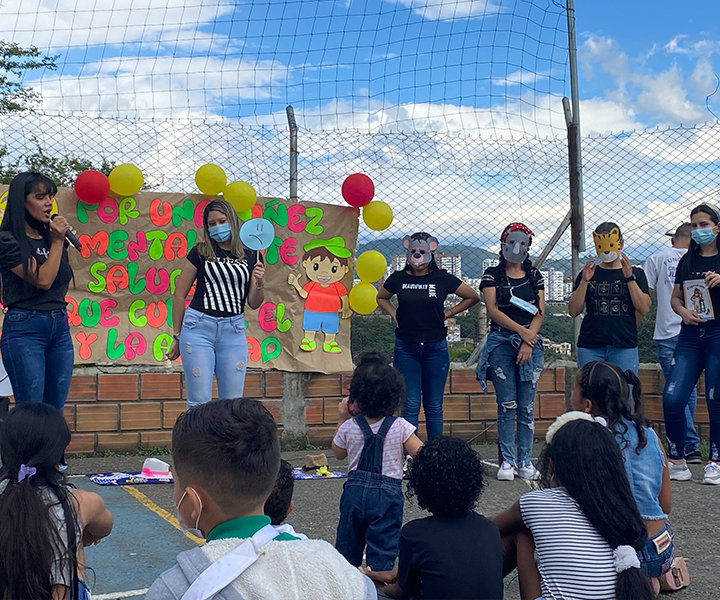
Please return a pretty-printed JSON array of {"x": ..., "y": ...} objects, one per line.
[
  {"x": 425, "y": 369},
  {"x": 371, "y": 512},
  {"x": 38, "y": 354},
  {"x": 625, "y": 358},
  {"x": 698, "y": 349},
  {"x": 656, "y": 563},
  {"x": 515, "y": 400},
  {"x": 665, "y": 351},
  {"x": 213, "y": 345}
]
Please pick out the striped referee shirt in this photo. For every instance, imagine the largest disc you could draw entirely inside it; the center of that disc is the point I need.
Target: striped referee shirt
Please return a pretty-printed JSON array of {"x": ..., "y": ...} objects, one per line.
[
  {"x": 223, "y": 284},
  {"x": 574, "y": 560}
]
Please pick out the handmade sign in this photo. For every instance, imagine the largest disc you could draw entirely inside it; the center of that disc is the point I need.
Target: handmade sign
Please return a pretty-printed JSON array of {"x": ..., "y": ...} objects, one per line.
[{"x": 120, "y": 305}]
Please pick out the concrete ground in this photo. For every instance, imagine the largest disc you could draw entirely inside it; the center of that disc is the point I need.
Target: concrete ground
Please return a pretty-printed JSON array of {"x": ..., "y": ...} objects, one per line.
[{"x": 144, "y": 543}]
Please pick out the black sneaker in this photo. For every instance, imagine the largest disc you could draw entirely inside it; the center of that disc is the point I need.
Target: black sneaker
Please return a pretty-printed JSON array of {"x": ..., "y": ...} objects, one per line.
[{"x": 693, "y": 457}]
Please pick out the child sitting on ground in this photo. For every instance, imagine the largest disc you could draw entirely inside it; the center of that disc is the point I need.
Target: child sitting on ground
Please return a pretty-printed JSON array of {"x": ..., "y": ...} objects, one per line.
[
  {"x": 226, "y": 457},
  {"x": 456, "y": 553},
  {"x": 374, "y": 441},
  {"x": 280, "y": 503},
  {"x": 584, "y": 522},
  {"x": 46, "y": 523},
  {"x": 602, "y": 390}
]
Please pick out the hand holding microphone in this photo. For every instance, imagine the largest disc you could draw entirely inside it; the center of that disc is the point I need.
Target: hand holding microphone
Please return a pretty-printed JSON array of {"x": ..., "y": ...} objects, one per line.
[{"x": 60, "y": 229}]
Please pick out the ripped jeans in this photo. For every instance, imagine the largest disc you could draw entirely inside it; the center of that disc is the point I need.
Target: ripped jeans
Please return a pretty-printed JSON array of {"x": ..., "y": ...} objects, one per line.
[
  {"x": 515, "y": 398},
  {"x": 698, "y": 349},
  {"x": 213, "y": 345}
]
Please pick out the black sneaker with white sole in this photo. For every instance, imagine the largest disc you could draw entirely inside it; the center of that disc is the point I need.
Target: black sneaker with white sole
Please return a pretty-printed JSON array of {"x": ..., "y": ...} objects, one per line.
[{"x": 694, "y": 457}]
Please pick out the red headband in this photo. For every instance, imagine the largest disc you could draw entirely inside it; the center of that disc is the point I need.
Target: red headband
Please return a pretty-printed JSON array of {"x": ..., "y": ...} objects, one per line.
[{"x": 516, "y": 227}]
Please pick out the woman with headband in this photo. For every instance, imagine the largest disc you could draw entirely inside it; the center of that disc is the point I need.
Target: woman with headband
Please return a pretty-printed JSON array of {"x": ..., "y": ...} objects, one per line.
[{"x": 512, "y": 359}]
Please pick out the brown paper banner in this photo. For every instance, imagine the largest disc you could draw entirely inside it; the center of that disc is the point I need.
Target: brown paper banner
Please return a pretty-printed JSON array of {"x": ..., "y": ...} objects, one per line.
[{"x": 133, "y": 248}]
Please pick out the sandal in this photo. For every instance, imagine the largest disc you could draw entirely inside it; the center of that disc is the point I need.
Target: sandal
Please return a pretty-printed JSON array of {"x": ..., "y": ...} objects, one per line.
[
  {"x": 676, "y": 578},
  {"x": 307, "y": 345},
  {"x": 332, "y": 348}
]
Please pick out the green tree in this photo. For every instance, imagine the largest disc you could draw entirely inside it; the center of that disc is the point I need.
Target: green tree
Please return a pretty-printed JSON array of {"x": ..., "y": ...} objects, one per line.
[{"x": 14, "y": 62}]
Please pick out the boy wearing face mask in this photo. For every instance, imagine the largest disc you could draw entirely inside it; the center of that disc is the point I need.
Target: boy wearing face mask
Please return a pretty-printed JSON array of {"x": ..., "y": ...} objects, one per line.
[
  {"x": 615, "y": 296},
  {"x": 226, "y": 458},
  {"x": 512, "y": 358},
  {"x": 210, "y": 334}
]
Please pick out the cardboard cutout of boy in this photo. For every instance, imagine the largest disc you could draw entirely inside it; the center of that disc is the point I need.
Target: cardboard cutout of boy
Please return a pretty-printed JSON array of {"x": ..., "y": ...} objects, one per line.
[{"x": 325, "y": 263}]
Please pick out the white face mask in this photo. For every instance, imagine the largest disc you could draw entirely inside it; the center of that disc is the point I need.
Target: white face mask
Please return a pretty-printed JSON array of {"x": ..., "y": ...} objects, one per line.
[{"x": 184, "y": 527}]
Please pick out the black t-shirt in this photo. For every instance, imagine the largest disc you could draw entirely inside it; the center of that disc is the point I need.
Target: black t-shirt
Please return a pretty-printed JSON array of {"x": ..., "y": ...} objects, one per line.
[
  {"x": 421, "y": 300},
  {"x": 520, "y": 288},
  {"x": 19, "y": 293},
  {"x": 694, "y": 266},
  {"x": 451, "y": 557},
  {"x": 610, "y": 312},
  {"x": 222, "y": 285}
]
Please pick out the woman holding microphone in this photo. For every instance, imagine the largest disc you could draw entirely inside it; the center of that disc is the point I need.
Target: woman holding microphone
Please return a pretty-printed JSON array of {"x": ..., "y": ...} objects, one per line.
[{"x": 36, "y": 345}]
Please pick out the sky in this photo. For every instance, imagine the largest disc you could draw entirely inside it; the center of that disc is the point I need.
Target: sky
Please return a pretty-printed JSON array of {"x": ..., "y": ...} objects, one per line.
[{"x": 399, "y": 89}]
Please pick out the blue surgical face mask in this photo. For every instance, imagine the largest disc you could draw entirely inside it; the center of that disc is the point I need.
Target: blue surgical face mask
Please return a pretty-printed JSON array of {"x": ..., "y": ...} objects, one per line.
[
  {"x": 704, "y": 236},
  {"x": 220, "y": 233}
]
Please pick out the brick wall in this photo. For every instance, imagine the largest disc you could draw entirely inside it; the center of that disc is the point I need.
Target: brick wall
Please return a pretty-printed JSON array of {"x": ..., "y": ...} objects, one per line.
[{"x": 121, "y": 412}]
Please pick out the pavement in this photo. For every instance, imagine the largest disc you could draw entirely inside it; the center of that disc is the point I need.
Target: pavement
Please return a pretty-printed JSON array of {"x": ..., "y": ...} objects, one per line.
[{"x": 145, "y": 540}]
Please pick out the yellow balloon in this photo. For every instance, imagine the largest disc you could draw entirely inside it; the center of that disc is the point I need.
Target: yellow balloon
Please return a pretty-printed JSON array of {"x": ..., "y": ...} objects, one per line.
[
  {"x": 210, "y": 179},
  {"x": 241, "y": 195},
  {"x": 363, "y": 298},
  {"x": 126, "y": 180},
  {"x": 377, "y": 215},
  {"x": 370, "y": 266}
]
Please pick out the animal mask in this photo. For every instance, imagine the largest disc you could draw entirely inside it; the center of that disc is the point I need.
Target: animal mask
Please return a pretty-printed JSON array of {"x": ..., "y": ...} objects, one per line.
[
  {"x": 516, "y": 241},
  {"x": 419, "y": 251},
  {"x": 607, "y": 245}
]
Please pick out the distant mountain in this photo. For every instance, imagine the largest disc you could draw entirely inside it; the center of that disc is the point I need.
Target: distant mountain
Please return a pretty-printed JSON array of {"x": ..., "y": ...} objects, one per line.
[{"x": 472, "y": 256}]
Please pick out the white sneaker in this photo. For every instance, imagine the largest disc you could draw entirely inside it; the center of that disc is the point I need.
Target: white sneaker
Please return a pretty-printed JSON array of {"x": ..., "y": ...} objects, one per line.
[
  {"x": 680, "y": 472},
  {"x": 506, "y": 472},
  {"x": 529, "y": 472},
  {"x": 712, "y": 474}
]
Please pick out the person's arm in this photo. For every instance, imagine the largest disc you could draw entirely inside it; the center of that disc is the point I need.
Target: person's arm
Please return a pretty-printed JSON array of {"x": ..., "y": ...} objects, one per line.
[
  {"x": 44, "y": 277},
  {"x": 95, "y": 519},
  {"x": 665, "y": 497},
  {"x": 412, "y": 445},
  {"x": 343, "y": 415},
  {"x": 509, "y": 520},
  {"x": 256, "y": 294},
  {"x": 499, "y": 317},
  {"x": 641, "y": 300},
  {"x": 383, "y": 301},
  {"x": 689, "y": 317},
  {"x": 183, "y": 285},
  {"x": 577, "y": 300},
  {"x": 469, "y": 298},
  {"x": 525, "y": 351}
]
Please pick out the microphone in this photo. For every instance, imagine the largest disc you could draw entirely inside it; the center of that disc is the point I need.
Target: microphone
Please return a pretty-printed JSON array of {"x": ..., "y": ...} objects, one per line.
[{"x": 70, "y": 236}]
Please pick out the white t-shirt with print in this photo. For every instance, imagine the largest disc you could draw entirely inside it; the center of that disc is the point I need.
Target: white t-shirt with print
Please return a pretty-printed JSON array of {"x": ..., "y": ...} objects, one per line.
[
  {"x": 350, "y": 437},
  {"x": 660, "y": 271}
]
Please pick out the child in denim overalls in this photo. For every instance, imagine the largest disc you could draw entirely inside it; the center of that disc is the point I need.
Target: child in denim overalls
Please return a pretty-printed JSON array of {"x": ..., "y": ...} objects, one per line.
[
  {"x": 374, "y": 442},
  {"x": 603, "y": 389}
]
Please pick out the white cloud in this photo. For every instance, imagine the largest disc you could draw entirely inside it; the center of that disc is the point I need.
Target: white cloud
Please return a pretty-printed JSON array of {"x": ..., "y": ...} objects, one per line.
[
  {"x": 520, "y": 77},
  {"x": 700, "y": 48},
  {"x": 451, "y": 9},
  {"x": 664, "y": 95}
]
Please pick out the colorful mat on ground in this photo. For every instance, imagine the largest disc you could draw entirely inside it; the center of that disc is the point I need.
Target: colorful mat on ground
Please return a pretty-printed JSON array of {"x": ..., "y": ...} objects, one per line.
[
  {"x": 132, "y": 478},
  {"x": 135, "y": 478}
]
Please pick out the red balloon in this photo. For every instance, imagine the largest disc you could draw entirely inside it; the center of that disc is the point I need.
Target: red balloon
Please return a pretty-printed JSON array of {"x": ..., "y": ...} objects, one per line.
[
  {"x": 358, "y": 189},
  {"x": 92, "y": 187}
]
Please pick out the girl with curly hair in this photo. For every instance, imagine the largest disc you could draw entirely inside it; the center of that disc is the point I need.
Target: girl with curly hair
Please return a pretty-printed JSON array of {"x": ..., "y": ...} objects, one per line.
[
  {"x": 374, "y": 442},
  {"x": 456, "y": 552},
  {"x": 603, "y": 390}
]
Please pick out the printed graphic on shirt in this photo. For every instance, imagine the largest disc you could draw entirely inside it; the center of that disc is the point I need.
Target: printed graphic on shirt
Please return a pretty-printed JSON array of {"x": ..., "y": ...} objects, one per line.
[
  {"x": 44, "y": 252},
  {"x": 225, "y": 280},
  {"x": 430, "y": 287},
  {"x": 610, "y": 298}
]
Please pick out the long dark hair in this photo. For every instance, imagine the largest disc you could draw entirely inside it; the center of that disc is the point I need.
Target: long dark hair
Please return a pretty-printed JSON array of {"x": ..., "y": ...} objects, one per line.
[
  {"x": 527, "y": 266},
  {"x": 35, "y": 435},
  {"x": 608, "y": 388},
  {"x": 585, "y": 459},
  {"x": 424, "y": 236},
  {"x": 714, "y": 217}
]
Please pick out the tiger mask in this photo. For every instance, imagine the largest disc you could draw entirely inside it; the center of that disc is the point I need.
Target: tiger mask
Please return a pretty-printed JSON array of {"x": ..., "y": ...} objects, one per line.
[{"x": 608, "y": 245}]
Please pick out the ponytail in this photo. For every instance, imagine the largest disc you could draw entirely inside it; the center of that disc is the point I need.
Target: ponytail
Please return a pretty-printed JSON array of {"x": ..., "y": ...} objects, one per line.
[{"x": 585, "y": 459}]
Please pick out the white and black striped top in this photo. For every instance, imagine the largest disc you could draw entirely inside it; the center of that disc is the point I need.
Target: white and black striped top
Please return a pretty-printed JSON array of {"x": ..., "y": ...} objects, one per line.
[
  {"x": 574, "y": 560},
  {"x": 222, "y": 285}
]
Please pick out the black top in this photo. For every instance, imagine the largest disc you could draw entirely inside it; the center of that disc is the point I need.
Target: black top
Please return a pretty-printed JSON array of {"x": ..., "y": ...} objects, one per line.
[
  {"x": 222, "y": 285},
  {"x": 421, "y": 304},
  {"x": 694, "y": 266},
  {"x": 17, "y": 292},
  {"x": 610, "y": 312},
  {"x": 451, "y": 557},
  {"x": 521, "y": 288}
]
